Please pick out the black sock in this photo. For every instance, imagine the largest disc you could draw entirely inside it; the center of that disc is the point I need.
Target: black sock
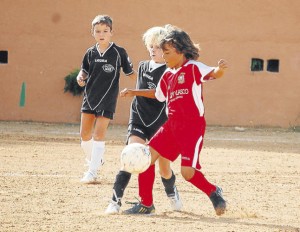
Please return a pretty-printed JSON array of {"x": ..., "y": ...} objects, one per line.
[
  {"x": 169, "y": 184},
  {"x": 121, "y": 182}
]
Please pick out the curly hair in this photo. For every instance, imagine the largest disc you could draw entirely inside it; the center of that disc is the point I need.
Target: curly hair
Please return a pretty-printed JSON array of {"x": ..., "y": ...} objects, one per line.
[{"x": 181, "y": 41}]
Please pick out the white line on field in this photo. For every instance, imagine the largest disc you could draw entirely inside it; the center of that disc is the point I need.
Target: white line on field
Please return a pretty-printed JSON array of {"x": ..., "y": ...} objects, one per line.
[{"x": 12, "y": 174}]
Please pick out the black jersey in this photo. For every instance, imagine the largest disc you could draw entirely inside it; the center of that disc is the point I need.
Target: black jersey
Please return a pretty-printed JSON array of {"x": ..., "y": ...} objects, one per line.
[
  {"x": 102, "y": 84},
  {"x": 148, "y": 111}
]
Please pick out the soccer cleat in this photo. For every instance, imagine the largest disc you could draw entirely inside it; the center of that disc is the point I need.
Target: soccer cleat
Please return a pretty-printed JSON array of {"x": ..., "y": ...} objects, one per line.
[
  {"x": 113, "y": 207},
  {"x": 139, "y": 208},
  {"x": 218, "y": 201},
  {"x": 175, "y": 201},
  {"x": 88, "y": 178}
]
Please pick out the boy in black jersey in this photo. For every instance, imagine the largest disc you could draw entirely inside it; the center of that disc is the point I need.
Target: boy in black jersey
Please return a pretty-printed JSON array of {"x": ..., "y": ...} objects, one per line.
[
  {"x": 146, "y": 117},
  {"x": 99, "y": 75}
]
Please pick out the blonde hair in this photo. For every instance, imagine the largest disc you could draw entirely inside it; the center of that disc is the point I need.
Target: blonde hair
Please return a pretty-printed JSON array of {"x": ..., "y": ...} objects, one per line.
[{"x": 153, "y": 36}]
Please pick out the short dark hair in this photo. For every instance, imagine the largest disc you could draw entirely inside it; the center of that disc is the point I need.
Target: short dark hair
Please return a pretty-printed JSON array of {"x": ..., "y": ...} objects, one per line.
[
  {"x": 181, "y": 41},
  {"x": 102, "y": 19}
]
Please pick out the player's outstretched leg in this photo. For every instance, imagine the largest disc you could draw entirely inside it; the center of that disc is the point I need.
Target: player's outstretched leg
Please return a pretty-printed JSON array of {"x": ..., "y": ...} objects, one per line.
[
  {"x": 218, "y": 201},
  {"x": 213, "y": 192},
  {"x": 172, "y": 193},
  {"x": 146, "y": 182},
  {"x": 121, "y": 182}
]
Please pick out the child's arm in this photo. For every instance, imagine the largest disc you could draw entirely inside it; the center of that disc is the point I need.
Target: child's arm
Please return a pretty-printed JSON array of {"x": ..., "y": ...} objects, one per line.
[
  {"x": 81, "y": 77},
  {"x": 149, "y": 93},
  {"x": 219, "y": 71},
  {"x": 133, "y": 76}
]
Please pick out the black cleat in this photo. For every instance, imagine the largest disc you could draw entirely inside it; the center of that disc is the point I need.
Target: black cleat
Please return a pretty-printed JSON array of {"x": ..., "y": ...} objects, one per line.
[
  {"x": 138, "y": 208},
  {"x": 218, "y": 201}
]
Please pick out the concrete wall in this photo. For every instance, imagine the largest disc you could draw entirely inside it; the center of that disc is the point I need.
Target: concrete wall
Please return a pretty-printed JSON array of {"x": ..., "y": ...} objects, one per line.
[{"x": 46, "y": 40}]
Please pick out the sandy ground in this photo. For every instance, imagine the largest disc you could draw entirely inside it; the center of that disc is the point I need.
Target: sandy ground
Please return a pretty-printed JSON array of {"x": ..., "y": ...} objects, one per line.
[{"x": 41, "y": 165}]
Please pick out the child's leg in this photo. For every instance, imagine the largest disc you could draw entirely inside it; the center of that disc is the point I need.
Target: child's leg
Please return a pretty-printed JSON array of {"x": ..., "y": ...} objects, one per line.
[
  {"x": 199, "y": 181},
  {"x": 121, "y": 182},
  {"x": 86, "y": 126},
  {"x": 213, "y": 192},
  {"x": 168, "y": 179},
  {"x": 98, "y": 148},
  {"x": 167, "y": 175},
  {"x": 86, "y": 130},
  {"x": 146, "y": 182},
  {"x": 97, "y": 157},
  {"x": 87, "y": 149}
]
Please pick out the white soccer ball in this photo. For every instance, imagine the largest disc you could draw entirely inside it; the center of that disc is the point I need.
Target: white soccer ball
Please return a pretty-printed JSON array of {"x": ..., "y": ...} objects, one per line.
[{"x": 135, "y": 158}]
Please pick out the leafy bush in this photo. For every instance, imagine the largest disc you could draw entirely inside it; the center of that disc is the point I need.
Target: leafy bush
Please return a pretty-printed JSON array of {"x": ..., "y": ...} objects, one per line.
[{"x": 71, "y": 84}]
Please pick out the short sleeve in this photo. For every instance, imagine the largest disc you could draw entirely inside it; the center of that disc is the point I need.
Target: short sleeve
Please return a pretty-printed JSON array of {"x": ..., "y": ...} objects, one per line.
[
  {"x": 126, "y": 63},
  {"x": 161, "y": 90},
  {"x": 85, "y": 65},
  {"x": 204, "y": 70},
  {"x": 201, "y": 71}
]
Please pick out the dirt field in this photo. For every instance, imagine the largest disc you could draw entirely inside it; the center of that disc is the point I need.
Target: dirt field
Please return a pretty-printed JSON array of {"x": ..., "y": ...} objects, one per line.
[{"x": 41, "y": 165}]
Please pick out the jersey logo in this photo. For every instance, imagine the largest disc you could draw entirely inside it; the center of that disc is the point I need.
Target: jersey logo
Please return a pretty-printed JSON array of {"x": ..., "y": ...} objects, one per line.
[
  {"x": 181, "y": 78},
  {"x": 108, "y": 68},
  {"x": 148, "y": 76},
  {"x": 151, "y": 85},
  {"x": 100, "y": 60}
]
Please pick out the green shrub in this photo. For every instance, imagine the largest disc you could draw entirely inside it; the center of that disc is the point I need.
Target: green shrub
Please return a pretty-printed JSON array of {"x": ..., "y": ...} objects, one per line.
[{"x": 71, "y": 84}]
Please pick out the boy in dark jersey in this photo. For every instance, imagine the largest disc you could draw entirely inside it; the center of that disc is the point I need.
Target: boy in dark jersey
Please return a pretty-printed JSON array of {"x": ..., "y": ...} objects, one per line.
[
  {"x": 99, "y": 75},
  {"x": 146, "y": 117},
  {"x": 182, "y": 134}
]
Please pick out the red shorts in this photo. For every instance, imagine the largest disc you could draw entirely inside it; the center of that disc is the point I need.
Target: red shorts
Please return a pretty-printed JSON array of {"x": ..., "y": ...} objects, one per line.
[{"x": 176, "y": 138}]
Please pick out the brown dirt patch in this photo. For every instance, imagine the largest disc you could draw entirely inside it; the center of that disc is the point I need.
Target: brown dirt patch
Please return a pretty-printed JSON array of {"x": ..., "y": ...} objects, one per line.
[{"x": 41, "y": 164}]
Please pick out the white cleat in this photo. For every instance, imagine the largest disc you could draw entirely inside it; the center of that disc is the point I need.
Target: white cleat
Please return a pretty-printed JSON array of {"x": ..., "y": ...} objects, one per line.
[
  {"x": 88, "y": 178},
  {"x": 113, "y": 208},
  {"x": 175, "y": 201}
]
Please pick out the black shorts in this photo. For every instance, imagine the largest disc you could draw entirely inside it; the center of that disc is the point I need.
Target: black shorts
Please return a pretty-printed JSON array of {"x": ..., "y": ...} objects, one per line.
[
  {"x": 141, "y": 131},
  {"x": 101, "y": 113}
]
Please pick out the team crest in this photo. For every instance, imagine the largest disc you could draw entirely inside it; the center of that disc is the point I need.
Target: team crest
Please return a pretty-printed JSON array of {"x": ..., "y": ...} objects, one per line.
[
  {"x": 108, "y": 68},
  {"x": 181, "y": 78}
]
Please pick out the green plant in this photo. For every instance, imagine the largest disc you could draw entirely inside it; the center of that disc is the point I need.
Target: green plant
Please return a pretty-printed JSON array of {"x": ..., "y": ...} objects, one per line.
[{"x": 71, "y": 84}]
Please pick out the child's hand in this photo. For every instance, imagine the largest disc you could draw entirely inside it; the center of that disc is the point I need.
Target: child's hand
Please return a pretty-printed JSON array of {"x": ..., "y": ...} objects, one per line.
[
  {"x": 126, "y": 93},
  {"x": 222, "y": 64},
  {"x": 80, "y": 81}
]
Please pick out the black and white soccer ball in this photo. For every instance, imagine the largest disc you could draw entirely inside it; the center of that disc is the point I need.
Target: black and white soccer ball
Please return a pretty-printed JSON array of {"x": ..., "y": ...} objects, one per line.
[{"x": 135, "y": 158}]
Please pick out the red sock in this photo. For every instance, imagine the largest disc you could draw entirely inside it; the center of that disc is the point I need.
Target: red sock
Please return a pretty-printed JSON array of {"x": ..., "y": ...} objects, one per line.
[
  {"x": 199, "y": 181},
  {"x": 146, "y": 182}
]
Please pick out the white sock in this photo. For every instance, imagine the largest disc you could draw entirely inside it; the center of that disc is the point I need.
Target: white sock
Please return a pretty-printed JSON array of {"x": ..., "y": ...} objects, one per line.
[
  {"x": 97, "y": 158},
  {"x": 87, "y": 147}
]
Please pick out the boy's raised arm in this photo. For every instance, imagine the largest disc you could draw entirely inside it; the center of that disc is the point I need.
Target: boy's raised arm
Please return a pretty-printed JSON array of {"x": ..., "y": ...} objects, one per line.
[{"x": 149, "y": 93}]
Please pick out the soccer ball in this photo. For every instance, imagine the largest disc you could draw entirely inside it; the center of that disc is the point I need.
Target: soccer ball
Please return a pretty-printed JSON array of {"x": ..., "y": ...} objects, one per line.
[{"x": 135, "y": 158}]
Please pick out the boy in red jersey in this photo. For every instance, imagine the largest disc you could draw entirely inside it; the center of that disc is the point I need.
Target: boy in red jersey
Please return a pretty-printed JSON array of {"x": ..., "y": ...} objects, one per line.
[{"x": 183, "y": 132}]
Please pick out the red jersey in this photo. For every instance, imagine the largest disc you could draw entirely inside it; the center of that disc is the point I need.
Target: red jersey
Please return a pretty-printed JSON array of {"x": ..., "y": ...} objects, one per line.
[{"x": 182, "y": 90}]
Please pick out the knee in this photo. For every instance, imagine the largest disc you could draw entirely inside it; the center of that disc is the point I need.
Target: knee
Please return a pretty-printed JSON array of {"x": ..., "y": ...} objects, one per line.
[
  {"x": 164, "y": 168},
  {"x": 187, "y": 173},
  {"x": 165, "y": 172},
  {"x": 85, "y": 135}
]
